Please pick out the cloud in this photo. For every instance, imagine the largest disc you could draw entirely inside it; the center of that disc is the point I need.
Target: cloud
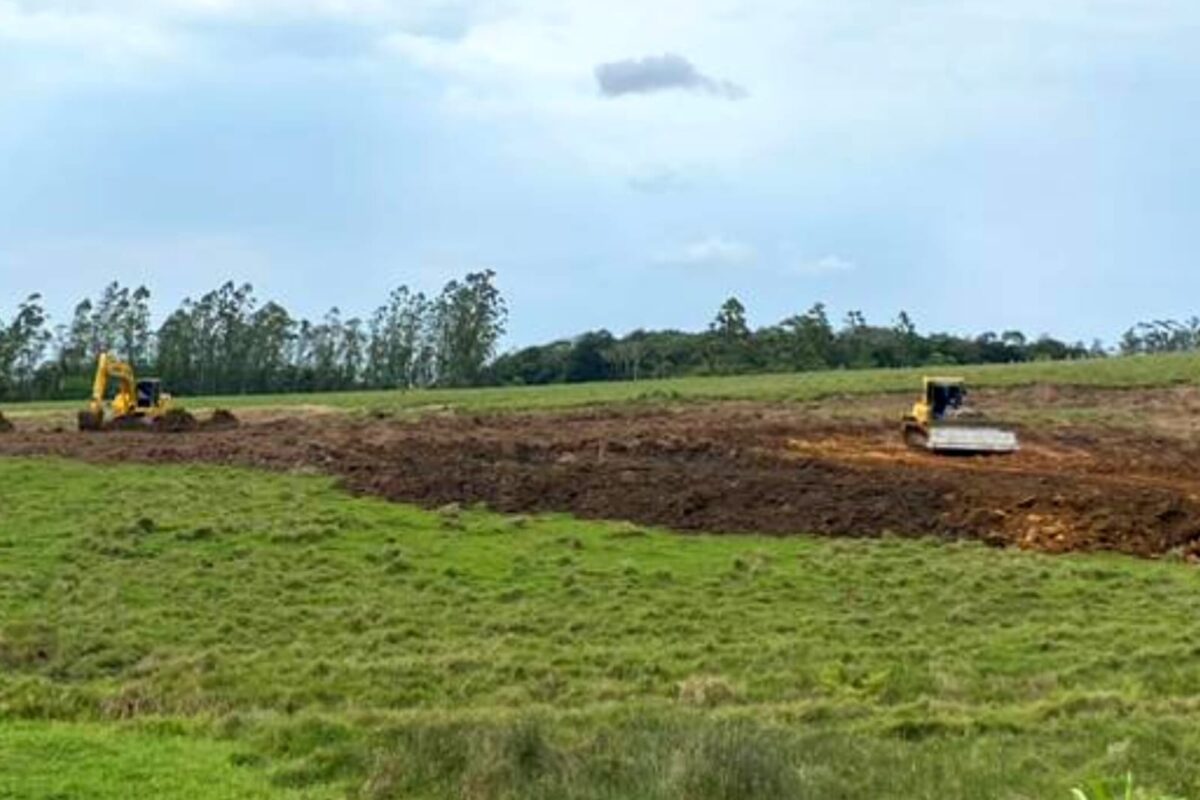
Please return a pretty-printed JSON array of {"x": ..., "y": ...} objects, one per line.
[
  {"x": 144, "y": 257},
  {"x": 41, "y": 34},
  {"x": 826, "y": 265},
  {"x": 171, "y": 264},
  {"x": 105, "y": 32},
  {"x": 709, "y": 252},
  {"x": 659, "y": 73},
  {"x": 720, "y": 251},
  {"x": 660, "y": 181}
]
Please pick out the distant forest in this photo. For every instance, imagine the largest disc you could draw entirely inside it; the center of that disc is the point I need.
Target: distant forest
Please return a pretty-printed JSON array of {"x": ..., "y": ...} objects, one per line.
[{"x": 230, "y": 342}]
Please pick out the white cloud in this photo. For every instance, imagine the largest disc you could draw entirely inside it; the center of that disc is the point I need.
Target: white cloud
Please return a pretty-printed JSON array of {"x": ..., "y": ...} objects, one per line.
[
  {"x": 858, "y": 75},
  {"x": 65, "y": 42},
  {"x": 712, "y": 251},
  {"x": 862, "y": 76},
  {"x": 104, "y": 35},
  {"x": 99, "y": 258},
  {"x": 182, "y": 10},
  {"x": 825, "y": 265},
  {"x": 721, "y": 251},
  {"x": 659, "y": 180}
]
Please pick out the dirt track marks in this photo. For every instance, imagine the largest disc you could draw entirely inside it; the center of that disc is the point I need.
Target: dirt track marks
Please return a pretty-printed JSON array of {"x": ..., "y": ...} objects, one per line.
[{"x": 723, "y": 468}]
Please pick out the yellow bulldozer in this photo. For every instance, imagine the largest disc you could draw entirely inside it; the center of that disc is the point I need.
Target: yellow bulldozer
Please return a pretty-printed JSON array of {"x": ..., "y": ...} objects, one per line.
[
  {"x": 942, "y": 422},
  {"x": 137, "y": 404}
]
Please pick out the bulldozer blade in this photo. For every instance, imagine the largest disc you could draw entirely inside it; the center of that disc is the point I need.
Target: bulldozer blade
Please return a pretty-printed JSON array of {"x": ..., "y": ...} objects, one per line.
[{"x": 968, "y": 440}]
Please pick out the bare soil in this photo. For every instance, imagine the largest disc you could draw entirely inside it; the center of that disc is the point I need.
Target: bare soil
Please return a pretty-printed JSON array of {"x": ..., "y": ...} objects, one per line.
[{"x": 835, "y": 468}]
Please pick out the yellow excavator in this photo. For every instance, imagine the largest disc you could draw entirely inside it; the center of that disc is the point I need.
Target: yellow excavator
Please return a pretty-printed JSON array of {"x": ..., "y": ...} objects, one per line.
[
  {"x": 137, "y": 404},
  {"x": 941, "y": 421}
]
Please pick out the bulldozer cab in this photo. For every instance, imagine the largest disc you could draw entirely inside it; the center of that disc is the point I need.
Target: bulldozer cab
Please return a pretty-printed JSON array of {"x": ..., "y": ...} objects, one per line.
[
  {"x": 148, "y": 392},
  {"x": 944, "y": 396}
]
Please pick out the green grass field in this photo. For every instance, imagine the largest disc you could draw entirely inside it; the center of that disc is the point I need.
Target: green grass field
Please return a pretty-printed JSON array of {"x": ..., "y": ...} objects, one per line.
[
  {"x": 202, "y": 633},
  {"x": 1149, "y": 371}
]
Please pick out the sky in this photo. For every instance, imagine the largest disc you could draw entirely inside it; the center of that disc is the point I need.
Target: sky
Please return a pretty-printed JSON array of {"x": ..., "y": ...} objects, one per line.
[{"x": 982, "y": 164}]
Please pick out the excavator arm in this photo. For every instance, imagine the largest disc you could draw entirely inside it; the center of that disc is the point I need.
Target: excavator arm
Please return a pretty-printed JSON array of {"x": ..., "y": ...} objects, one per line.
[{"x": 124, "y": 401}]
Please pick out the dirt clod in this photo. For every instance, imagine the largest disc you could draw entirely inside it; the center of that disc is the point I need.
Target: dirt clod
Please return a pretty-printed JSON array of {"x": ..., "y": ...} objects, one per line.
[
  {"x": 221, "y": 419},
  {"x": 175, "y": 420}
]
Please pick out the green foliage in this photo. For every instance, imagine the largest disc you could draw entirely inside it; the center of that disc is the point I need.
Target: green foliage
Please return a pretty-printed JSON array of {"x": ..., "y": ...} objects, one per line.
[
  {"x": 334, "y": 645},
  {"x": 1113, "y": 790},
  {"x": 23, "y": 343},
  {"x": 1162, "y": 336},
  {"x": 468, "y": 320},
  {"x": 226, "y": 342},
  {"x": 60, "y": 761},
  {"x": 400, "y": 350},
  {"x": 805, "y": 342},
  {"x": 1115, "y": 373}
]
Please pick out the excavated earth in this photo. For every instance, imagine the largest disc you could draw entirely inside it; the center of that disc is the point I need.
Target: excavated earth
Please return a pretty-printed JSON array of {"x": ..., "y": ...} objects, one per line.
[{"x": 835, "y": 468}]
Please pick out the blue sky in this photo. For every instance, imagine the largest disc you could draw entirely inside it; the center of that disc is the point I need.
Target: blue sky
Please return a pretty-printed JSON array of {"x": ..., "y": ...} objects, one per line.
[{"x": 983, "y": 165}]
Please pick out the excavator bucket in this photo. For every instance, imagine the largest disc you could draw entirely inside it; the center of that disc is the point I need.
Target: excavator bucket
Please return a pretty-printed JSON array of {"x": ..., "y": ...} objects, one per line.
[{"x": 970, "y": 439}]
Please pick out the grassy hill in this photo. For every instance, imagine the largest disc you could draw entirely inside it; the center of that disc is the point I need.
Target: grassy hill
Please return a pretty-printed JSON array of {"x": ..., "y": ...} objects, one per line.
[
  {"x": 209, "y": 633},
  {"x": 1139, "y": 371}
]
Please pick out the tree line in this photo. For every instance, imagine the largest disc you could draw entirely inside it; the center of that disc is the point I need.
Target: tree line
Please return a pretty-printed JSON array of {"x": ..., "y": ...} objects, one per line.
[
  {"x": 228, "y": 342},
  {"x": 1162, "y": 336},
  {"x": 808, "y": 341}
]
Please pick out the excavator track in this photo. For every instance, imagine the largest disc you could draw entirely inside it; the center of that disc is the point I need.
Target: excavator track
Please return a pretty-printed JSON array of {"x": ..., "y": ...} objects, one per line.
[{"x": 914, "y": 436}]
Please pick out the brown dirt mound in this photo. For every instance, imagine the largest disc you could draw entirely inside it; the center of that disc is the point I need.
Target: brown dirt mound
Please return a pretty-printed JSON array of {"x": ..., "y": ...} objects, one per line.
[
  {"x": 726, "y": 468},
  {"x": 5, "y": 425},
  {"x": 221, "y": 419},
  {"x": 175, "y": 420}
]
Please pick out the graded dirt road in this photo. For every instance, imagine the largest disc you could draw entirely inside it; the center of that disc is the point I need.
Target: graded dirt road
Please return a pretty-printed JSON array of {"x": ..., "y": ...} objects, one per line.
[{"x": 833, "y": 468}]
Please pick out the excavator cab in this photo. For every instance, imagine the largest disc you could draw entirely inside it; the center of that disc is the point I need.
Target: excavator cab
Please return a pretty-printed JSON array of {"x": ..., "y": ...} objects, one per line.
[{"x": 149, "y": 393}]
